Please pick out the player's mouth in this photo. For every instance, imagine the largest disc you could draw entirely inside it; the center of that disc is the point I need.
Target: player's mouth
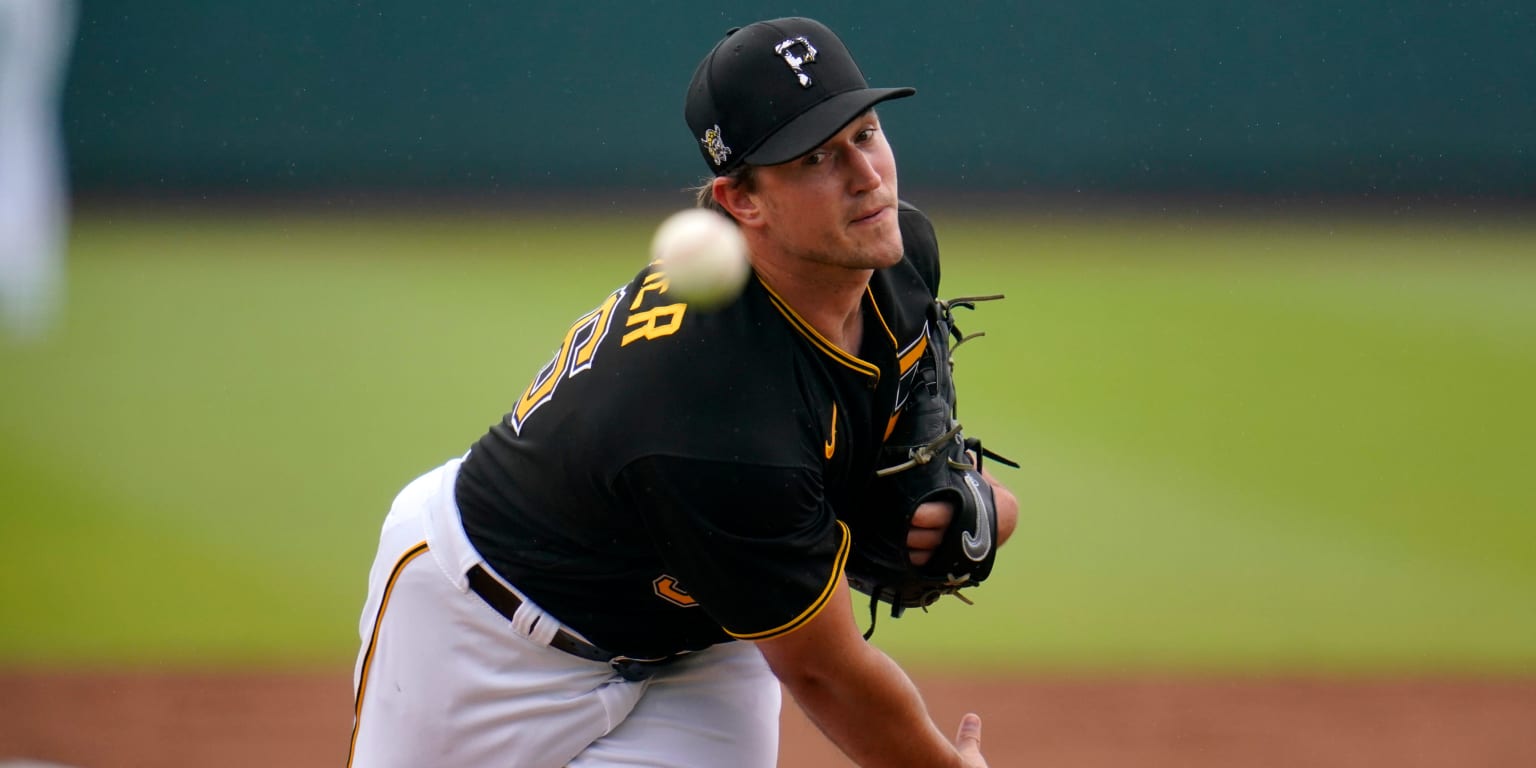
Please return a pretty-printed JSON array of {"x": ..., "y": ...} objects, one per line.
[{"x": 870, "y": 217}]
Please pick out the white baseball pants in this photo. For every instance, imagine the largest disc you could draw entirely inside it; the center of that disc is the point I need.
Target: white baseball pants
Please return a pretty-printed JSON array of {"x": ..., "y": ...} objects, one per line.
[
  {"x": 444, "y": 680},
  {"x": 35, "y": 41}
]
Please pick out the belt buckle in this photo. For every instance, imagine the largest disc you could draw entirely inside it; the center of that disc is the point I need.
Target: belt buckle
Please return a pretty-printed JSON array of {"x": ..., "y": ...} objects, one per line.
[
  {"x": 633, "y": 670},
  {"x": 636, "y": 670}
]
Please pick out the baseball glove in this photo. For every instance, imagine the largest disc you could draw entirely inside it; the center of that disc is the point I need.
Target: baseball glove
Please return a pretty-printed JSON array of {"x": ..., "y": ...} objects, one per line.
[{"x": 928, "y": 458}]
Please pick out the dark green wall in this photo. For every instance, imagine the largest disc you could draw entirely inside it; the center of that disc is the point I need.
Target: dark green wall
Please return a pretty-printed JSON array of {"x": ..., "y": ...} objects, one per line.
[{"x": 1370, "y": 97}]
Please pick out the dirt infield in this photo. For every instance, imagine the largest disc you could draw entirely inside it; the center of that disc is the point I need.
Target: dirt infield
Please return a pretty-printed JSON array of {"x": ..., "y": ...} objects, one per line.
[{"x": 244, "y": 720}]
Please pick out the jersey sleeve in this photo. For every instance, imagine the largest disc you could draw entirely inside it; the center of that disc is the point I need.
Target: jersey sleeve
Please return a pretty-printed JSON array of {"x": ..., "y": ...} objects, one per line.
[
  {"x": 758, "y": 547},
  {"x": 920, "y": 244}
]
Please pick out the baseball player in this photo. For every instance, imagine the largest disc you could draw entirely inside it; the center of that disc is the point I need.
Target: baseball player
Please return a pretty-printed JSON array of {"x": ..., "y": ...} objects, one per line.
[{"x": 626, "y": 567}]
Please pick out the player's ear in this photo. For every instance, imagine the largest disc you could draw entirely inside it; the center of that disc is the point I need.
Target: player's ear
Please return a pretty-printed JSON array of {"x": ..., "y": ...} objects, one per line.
[{"x": 735, "y": 196}]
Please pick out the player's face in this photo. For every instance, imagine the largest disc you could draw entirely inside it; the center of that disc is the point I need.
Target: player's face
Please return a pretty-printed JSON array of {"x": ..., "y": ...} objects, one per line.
[{"x": 836, "y": 205}]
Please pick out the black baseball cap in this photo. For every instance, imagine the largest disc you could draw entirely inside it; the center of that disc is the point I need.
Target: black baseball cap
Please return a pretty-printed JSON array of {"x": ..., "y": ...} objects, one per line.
[{"x": 774, "y": 90}]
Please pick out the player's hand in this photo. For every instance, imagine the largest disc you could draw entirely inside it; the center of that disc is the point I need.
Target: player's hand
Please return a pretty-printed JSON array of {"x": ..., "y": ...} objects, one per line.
[
  {"x": 1003, "y": 499},
  {"x": 968, "y": 741},
  {"x": 1007, "y": 506},
  {"x": 927, "y": 530}
]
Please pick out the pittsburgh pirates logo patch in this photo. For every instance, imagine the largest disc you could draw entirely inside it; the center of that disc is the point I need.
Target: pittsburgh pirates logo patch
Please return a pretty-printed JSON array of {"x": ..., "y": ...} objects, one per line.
[{"x": 714, "y": 144}]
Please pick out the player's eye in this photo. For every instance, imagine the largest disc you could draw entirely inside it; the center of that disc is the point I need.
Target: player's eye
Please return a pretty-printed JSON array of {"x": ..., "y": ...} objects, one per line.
[
  {"x": 815, "y": 158},
  {"x": 864, "y": 135}
]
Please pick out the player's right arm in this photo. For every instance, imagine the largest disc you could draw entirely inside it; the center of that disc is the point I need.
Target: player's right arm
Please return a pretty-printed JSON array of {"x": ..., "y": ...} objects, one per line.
[{"x": 859, "y": 697}]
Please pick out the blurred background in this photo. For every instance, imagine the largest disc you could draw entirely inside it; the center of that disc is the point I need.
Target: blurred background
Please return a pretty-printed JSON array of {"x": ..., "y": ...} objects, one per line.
[
  {"x": 390, "y": 100},
  {"x": 1267, "y": 357}
]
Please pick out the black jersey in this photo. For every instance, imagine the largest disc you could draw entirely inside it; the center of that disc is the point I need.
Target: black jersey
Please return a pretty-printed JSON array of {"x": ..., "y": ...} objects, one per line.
[{"x": 676, "y": 478}]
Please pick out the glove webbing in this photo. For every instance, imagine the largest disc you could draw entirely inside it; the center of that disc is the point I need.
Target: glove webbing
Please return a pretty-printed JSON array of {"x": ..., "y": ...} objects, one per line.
[{"x": 874, "y": 611}]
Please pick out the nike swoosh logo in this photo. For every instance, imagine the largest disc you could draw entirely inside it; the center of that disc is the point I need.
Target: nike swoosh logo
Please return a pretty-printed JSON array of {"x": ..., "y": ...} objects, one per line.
[
  {"x": 831, "y": 444},
  {"x": 977, "y": 544}
]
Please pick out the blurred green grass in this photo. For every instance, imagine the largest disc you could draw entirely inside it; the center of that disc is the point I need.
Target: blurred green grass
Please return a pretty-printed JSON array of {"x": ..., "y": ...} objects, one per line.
[{"x": 1250, "y": 444}]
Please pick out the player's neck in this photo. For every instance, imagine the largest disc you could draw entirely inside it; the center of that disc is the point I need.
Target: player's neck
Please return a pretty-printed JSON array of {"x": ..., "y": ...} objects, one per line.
[{"x": 829, "y": 298}]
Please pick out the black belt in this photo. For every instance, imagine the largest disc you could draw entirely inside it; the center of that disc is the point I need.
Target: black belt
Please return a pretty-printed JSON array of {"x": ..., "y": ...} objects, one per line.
[{"x": 506, "y": 602}]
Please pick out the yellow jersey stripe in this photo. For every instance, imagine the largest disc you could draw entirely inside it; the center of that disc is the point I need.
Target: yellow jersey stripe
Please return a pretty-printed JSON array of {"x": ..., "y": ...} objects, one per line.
[
  {"x": 362, "y": 676},
  {"x": 883, "y": 324},
  {"x": 821, "y": 342},
  {"x": 816, "y": 606}
]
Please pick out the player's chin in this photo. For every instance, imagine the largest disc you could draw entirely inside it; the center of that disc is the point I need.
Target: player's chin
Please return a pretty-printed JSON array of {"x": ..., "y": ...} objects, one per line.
[
  {"x": 880, "y": 245},
  {"x": 879, "y": 260},
  {"x": 890, "y": 250}
]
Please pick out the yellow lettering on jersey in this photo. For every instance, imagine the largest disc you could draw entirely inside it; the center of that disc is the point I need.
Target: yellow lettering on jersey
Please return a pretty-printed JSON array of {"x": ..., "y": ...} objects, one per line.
[
  {"x": 582, "y": 359},
  {"x": 575, "y": 355},
  {"x": 544, "y": 384},
  {"x": 655, "y": 281},
  {"x": 654, "y": 323},
  {"x": 914, "y": 351},
  {"x": 907, "y": 360},
  {"x": 667, "y": 589}
]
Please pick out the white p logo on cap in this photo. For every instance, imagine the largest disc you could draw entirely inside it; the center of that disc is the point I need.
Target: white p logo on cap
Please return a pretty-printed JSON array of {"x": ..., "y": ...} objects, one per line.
[{"x": 784, "y": 49}]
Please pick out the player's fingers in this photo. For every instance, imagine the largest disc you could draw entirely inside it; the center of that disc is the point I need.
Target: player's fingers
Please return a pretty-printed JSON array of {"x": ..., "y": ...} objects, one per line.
[
  {"x": 920, "y": 539},
  {"x": 968, "y": 739},
  {"x": 921, "y": 544},
  {"x": 933, "y": 514}
]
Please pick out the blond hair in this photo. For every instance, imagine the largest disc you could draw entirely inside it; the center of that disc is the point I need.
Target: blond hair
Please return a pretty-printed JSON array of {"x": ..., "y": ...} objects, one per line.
[{"x": 704, "y": 193}]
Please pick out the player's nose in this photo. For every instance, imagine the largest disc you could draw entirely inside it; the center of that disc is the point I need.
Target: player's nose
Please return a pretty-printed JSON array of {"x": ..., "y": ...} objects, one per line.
[{"x": 863, "y": 173}]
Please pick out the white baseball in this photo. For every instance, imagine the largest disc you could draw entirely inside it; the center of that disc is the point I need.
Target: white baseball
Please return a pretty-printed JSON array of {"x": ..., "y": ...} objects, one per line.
[{"x": 703, "y": 256}]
